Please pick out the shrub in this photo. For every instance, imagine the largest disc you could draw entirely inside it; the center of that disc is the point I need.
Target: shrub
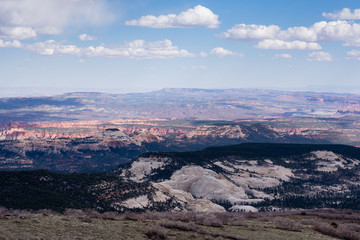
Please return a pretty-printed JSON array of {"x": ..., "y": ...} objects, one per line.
[
  {"x": 334, "y": 225},
  {"x": 349, "y": 231},
  {"x": 208, "y": 220},
  {"x": 179, "y": 226},
  {"x": 47, "y": 212},
  {"x": 156, "y": 233},
  {"x": 110, "y": 216},
  {"x": 326, "y": 229},
  {"x": 74, "y": 212},
  {"x": 85, "y": 219},
  {"x": 287, "y": 224},
  {"x": 308, "y": 221},
  {"x": 132, "y": 217},
  {"x": 351, "y": 226}
]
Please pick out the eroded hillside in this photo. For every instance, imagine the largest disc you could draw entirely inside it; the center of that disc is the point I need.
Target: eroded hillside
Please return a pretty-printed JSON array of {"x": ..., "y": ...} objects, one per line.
[
  {"x": 245, "y": 177},
  {"x": 93, "y": 146}
]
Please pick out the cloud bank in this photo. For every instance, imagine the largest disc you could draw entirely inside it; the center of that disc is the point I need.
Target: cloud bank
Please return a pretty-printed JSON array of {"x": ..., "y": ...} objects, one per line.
[
  {"x": 344, "y": 14},
  {"x": 301, "y": 38},
  {"x": 137, "y": 49},
  {"x": 292, "y": 45},
  {"x": 22, "y": 19},
  {"x": 353, "y": 54}
]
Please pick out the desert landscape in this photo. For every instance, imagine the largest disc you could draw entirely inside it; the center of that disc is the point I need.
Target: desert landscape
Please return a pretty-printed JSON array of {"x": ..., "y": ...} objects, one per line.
[{"x": 164, "y": 119}]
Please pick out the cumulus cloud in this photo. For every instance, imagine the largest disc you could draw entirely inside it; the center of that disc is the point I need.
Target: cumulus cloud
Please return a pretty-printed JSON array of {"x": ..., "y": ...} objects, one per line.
[
  {"x": 319, "y": 56},
  {"x": 251, "y": 32},
  {"x": 344, "y": 14},
  {"x": 348, "y": 32},
  {"x": 320, "y": 31},
  {"x": 221, "y": 52},
  {"x": 51, "y": 47},
  {"x": 291, "y": 45},
  {"x": 353, "y": 54},
  {"x": 193, "y": 17},
  {"x": 138, "y": 49},
  {"x": 352, "y": 43},
  {"x": 284, "y": 55},
  {"x": 10, "y": 44},
  {"x": 17, "y": 32},
  {"x": 86, "y": 37},
  {"x": 26, "y": 18}
]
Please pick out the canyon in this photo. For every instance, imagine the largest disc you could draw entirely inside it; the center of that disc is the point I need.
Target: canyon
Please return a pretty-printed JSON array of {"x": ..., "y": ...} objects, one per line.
[
  {"x": 91, "y": 146},
  {"x": 181, "y": 150}
]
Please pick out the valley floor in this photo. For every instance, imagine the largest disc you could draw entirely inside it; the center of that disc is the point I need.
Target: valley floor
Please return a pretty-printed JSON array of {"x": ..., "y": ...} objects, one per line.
[{"x": 77, "y": 224}]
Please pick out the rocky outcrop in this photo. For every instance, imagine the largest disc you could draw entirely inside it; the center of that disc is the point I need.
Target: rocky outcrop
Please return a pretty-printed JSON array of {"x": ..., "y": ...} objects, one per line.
[
  {"x": 238, "y": 178},
  {"x": 352, "y": 109},
  {"x": 13, "y": 134},
  {"x": 50, "y": 143},
  {"x": 227, "y": 131},
  {"x": 204, "y": 183}
]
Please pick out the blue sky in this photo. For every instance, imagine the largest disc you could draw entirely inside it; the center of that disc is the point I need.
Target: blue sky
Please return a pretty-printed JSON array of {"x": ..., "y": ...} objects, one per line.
[{"x": 143, "y": 45}]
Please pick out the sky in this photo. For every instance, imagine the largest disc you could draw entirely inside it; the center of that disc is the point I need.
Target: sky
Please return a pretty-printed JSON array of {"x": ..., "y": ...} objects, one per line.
[{"x": 52, "y": 46}]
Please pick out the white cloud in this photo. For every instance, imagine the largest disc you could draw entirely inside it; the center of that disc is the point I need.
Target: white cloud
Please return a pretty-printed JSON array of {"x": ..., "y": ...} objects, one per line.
[
  {"x": 193, "y": 17},
  {"x": 320, "y": 31},
  {"x": 348, "y": 32},
  {"x": 138, "y": 49},
  {"x": 337, "y": 31},
  {"x": 352, "y": 43},
  {"x": 17, "y": 32},
  {"x": 10, "y": 44},
  {"x": 51, "y": 30},
  {"x": 221, "y": 52},
  {"x": 51, "y": 47},
  {"x": 251, "y": 32},
  {"x": 86, "y": 37},
  {"x": 203, "y": 54},
  {"x": 291, "y": 45},
  {"x": 353, "y": 54},
  {"x": 26, "y": 18},
  {"x": 319, "y": 56},
  {"x": 284, "y": 55},
  {"x": 344, "y": 14}
]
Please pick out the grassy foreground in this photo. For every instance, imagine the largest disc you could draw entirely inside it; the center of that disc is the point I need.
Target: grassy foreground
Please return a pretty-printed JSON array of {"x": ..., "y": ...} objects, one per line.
[{"x": 77, "y": 224}]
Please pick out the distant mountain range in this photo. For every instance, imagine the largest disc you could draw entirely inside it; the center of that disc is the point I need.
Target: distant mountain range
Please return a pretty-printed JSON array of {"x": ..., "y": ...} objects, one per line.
[
  {"x": 196, "y": 104},
  {"x": 92, "y": 132}
]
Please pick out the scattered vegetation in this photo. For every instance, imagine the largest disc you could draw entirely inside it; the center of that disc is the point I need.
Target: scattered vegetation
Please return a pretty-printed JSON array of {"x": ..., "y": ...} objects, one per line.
[
  {"x": 90, "y": 224},
  {"x": 41, "y": 189},
  {"x": 156, "y": 233}
]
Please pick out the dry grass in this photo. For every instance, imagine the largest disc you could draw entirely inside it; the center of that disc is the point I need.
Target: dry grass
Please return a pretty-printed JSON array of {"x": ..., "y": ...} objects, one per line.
[
  {"x": 287, "y": 224},
  {"x": 190, "y": 228},
  {"x": 344, "y": 231},
  {"x": 89, "y": 224},
  {"x": 156, "y": 233}
]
